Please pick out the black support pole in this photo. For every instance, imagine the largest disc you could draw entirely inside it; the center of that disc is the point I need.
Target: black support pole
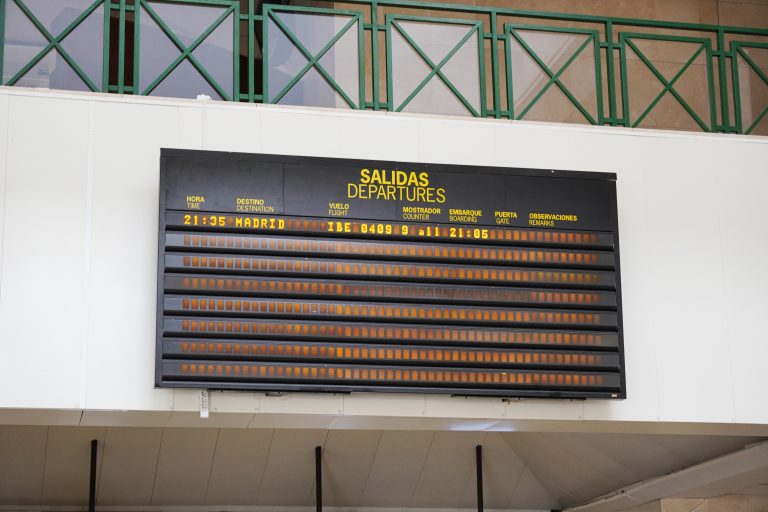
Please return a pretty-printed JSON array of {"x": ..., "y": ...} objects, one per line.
[
  {"x": 92, "y": 487},
  {"x": 479, "y": 463},
  {"x": 318, "y": 480}
]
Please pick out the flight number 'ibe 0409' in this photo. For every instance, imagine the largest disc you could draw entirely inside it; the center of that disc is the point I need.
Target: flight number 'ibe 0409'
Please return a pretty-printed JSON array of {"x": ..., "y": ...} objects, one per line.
[{"x": 405, "y": 230}]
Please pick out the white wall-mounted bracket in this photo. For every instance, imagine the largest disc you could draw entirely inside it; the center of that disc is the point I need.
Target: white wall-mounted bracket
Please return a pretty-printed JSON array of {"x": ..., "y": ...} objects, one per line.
[{"x": 203, "y": 403}]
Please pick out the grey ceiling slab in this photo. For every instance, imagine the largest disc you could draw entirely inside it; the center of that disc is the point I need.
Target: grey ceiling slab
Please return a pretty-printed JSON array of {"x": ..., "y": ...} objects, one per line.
[
  {"x": 184, "y": 466},
  {"x": 530, "y": 494},
  {"x": 67, "y": 464},
  {"x": 557, "y": 472},
  {"x": 289, "y": 476},
  {"x": 129, "y": 465},
  {"x": 448, "y": 470},
  {"x": 238, "y": 466},
  {"x": 396, "y": 468},
  {"x": 575, "y": 468},
  {"x": 22, "y": 460},
  {"x": 502, "y": 469},
  {"x": 213, "y": 468},
  {"x": 347, "y": 460}
]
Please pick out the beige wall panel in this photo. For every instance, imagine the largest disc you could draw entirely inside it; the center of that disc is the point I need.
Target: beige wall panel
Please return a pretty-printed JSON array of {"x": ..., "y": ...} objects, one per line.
[
  {"x": 698, "y": 326},
  {"x": 129, "y": 463},
  {"x": 22, "y": 460},
  {"x": 190, "y": 119},
  {"x": 44, "y": 272},
  {"x": 193, "y": 419},
  {"x": 434, "y": 133},
  {"x": 278, "y": 131},
  {"x": 289, "y": 477},
  {"x": 359, "y": 142},
  {"x": 748, "y": 483},
  {"x": 67, "y": 464},
  {"x": 277, "y": 420},
  {"x": 124, "y": 418},
  {"x": 4, "y": 132},
  {"x": 399, "y": 461},
  {"x": 125, "y": 179},
  {"x": 45, "y": 417},
  {"x": 744, "y": 276},
  {"x": 184, "y": 466},
  {"x": 693, "y": 11},
  {"x": 654, "y": 506},
  {"x": 238, "y": 466},
  {"x": 690, "y": 11},
  {"x": 479, "y": 409},
  {"x": 747, "y": 13},
  {"x": 218, "y": 136},
  {"x": 364, "y": 404},
  {"x": 448, "y": 470},
  {"x": 347, "y": 459},
  {"x": 309, "y": 403}
]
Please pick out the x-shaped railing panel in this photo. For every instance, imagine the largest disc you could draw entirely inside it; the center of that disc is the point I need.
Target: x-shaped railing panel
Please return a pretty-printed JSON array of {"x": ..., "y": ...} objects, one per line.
[
  {"x": 738, "y": 49},
  {"x": 554, "y": 78},
  {"x": 54, "y": 43},
  {"x": 230, "y": 8},
  {"x": 474, "y": 29},
  {"x": 705, "y": 45},
  {"x": 271, "y": 14},
  {"x": 29, "y": 46}
]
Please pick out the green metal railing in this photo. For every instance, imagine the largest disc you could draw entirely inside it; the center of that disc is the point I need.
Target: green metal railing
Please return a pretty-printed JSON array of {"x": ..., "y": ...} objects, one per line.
[
  {"x": 606, "y": 70},
  {"x": 53, "y": 43},
  {"x": 145, "y": 7}
]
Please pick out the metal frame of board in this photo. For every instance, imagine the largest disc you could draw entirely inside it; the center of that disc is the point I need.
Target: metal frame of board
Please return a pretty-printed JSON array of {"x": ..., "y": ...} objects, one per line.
[{"x": 200, "y": 157}]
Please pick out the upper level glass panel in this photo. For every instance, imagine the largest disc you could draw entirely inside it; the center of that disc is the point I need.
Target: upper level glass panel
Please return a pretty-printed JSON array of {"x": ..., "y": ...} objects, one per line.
[
  {"x": 57, "y": 45},
  {"x": 397, "y": 56},
  {"x": 313, "y": 58}
]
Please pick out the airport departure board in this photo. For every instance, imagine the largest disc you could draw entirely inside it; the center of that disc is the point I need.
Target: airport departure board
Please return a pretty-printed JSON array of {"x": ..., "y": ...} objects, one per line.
[{"x": 286, "y": 273}]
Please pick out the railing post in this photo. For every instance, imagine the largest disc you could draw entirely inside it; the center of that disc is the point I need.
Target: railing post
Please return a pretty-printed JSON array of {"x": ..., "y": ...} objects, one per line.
[
  {"x": 495, "y": 65},
  {"x": 479, "y": 465},
  {"x": 609, "y": 69},
  {"x": 121, "y": 50},
  {"x": 724, "y": 115},
  {"x": 318, "y": 480},
  {"x": 251, "y": 51},
  {"x": 2, "y": 38},
  {"x": 92, "y": 481},
  {"x": 375, "y": 55}
]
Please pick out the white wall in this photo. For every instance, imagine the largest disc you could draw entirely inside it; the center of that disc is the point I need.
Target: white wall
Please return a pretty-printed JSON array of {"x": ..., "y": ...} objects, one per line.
[{"x": 78, "y": 224}]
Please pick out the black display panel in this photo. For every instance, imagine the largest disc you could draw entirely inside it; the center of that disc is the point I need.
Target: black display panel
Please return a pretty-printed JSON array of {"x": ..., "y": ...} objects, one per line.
[{"x": 284, "y": 273}]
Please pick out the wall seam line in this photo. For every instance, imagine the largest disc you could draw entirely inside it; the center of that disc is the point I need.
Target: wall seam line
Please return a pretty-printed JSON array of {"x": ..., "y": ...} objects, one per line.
[
  {"x": 266, "y": 464},
  {"x": 45, "y": 461},
  {"x": 210, "y": 469},
  {"x": 157, "y": 466},
  {"x": 373, "y": 462},
  {"x": 421, "y": 470},
  {"x": 88, "y": 235},
  {"x": 5, "y": 192}
]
